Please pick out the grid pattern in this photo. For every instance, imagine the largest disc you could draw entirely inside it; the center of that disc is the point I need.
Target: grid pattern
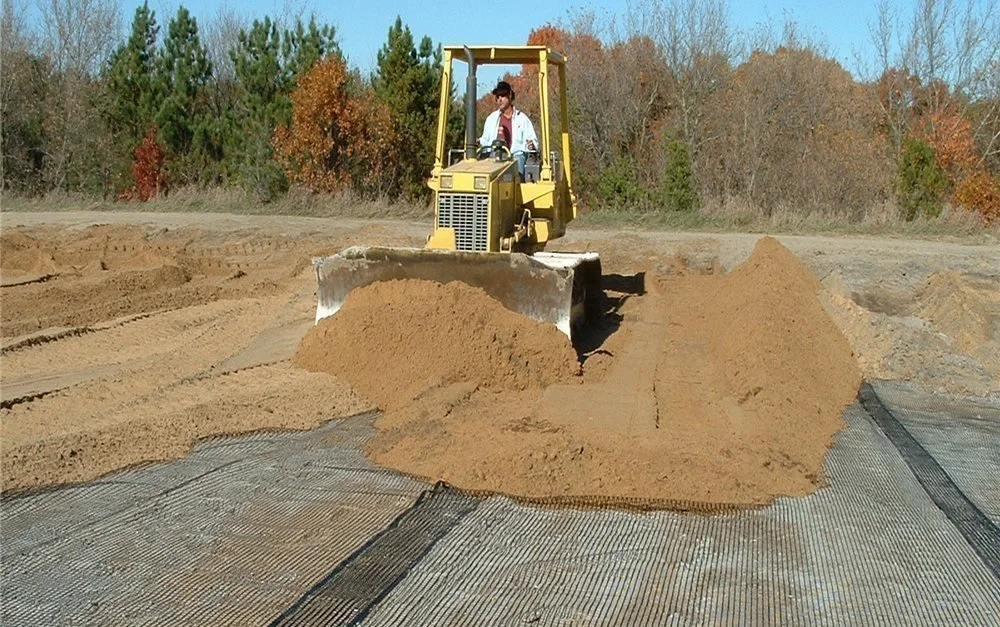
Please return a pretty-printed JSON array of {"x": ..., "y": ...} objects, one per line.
[{"x": 468, "y": 214}]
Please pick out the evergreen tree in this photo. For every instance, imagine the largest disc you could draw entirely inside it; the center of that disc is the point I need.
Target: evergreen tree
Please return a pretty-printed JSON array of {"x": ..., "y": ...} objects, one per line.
[
  {"x": 267, "y": 63},
  {"x": 677, "y": 185},
  {"x": 130, "y": 78},
  {"x": 408, "y": 80},
  {"x": 263, "y": 101},
  {"x": 304, "y": 46},
  {"x": 183, "y": 70}
]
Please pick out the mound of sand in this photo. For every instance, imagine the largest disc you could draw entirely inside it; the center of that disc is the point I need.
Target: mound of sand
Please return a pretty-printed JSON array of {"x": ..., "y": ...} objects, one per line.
[
  {"x": 728, "y": 390},
  {"x": 967, "y": 310},
  {"x": 782, "y": 353},
  {"x": 395, "y": 340}
]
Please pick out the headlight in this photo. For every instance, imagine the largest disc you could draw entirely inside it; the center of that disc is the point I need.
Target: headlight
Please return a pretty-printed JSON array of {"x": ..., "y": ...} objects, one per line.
[
  {"x": 479, "y": 182},
  {"x": 446, "y": 181}
]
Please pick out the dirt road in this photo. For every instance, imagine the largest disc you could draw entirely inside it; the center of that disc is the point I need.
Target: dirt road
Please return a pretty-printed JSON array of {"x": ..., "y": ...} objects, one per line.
[{"x": 128, "y": 336}]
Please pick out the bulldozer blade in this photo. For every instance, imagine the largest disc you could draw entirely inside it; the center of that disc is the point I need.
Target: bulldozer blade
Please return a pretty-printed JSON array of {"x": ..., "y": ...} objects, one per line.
[{"x": 553, "y": 288}]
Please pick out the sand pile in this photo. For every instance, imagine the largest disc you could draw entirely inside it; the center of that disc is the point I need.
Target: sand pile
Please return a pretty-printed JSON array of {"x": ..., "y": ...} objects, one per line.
[
  {"x": 721, "y": 389},
  {"x": 780, "y": 350},
  {"x": 395, "y": 340},
  {"x": 968, "y": 312}
]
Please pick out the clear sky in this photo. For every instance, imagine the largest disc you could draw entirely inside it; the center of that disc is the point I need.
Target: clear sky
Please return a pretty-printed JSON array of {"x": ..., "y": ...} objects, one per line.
[{"x": 362, "y": 25}]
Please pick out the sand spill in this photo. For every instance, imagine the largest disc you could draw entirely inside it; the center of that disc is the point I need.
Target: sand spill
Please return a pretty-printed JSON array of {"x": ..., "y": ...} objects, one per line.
[{"x": 720, "y": 388}]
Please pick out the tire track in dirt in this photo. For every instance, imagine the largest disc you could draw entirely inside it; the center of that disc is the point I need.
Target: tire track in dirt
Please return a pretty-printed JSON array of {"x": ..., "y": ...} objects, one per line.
[{"x": 147, "y": 388}]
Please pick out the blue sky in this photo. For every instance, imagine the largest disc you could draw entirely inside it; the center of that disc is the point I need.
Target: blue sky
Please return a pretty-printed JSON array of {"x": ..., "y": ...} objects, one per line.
[{"x": 362, "y": 26}]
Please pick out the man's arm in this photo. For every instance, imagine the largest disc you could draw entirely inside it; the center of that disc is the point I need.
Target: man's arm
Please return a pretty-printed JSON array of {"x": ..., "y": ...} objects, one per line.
[
  {"x": 492, "y": 122},
  {"x": 531, "y": 139}
]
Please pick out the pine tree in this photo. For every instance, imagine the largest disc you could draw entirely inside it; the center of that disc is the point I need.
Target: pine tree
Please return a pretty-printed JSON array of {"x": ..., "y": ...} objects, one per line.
[
  {"x": 130, "y": 78},
  {"x": 677, "y": 185},
  {"x": 267, "y": 63},
  {"x": 408, "y": 80},
  {"x": 920, "y": 184},
  {"x": 303, "y": 46},
  {"x": 262, "y": 103},
  {"x": 183, "y": 70}
]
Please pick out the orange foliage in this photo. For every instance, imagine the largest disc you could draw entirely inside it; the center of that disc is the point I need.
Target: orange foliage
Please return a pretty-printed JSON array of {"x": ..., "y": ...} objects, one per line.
[
  {"x": 147, "y": 170},
  {"x": 525, "y": 84},
  {"x": 549, "y": 35},
  {"x": 950, "y": 135},
  {"x": 981, "y": 193},
  {"x": 335, "y": 140}
]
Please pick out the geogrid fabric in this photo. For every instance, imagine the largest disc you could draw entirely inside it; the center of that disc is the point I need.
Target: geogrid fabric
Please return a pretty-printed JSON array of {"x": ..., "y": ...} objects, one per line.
[{"x": 300, "y": 529}]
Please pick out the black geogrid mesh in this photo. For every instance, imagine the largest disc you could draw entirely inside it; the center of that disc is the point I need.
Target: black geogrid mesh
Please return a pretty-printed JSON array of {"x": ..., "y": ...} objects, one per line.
[
  {"x": 230, "y": 535},
  {"x": 872, "y": 549},
  {"x": 301, "y": 529},
  {"x": 962, "y": 435},
  {"x": 978, "y": 530}
]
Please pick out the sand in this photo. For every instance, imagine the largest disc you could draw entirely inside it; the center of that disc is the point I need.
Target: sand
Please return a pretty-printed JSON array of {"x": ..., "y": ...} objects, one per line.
[
  {"x": 127, "y": 338},
  {"x": 717, "y": 396}
]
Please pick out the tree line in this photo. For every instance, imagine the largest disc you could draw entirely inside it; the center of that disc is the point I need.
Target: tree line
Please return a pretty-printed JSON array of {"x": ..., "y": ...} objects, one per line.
[{"x": 671, "y": 109}]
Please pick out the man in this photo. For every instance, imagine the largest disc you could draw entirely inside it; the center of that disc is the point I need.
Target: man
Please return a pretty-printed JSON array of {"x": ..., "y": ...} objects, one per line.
[{"x": 511, "y": 126}]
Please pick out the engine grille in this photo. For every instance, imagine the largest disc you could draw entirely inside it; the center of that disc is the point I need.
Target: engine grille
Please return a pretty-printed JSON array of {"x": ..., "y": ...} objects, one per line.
[{"x": 468, "y": 214}]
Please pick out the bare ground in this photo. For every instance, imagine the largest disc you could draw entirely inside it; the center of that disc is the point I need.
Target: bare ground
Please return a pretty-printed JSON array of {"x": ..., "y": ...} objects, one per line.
[{"x": 128, "y": 336}]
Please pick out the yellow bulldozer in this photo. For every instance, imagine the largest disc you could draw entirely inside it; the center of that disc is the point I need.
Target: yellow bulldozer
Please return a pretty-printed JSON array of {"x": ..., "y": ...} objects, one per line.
[{"x": 490, "y": 226}]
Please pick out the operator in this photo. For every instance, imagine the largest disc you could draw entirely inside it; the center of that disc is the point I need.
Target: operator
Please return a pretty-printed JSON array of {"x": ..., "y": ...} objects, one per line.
[{"x": 511, "y": 126}]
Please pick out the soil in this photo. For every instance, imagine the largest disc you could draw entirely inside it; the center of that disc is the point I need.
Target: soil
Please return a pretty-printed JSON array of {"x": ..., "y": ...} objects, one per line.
[
  {"x": 713, "y": 394},
  {"x": 715, "y": 375}
]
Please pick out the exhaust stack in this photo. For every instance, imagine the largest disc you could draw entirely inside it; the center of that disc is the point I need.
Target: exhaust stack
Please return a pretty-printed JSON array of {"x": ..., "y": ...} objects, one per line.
[{"x": 471, "y": 144}]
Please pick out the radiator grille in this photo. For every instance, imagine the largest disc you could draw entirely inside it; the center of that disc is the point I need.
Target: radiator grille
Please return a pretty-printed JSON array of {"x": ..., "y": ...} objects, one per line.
[{"x": 468, "y": 214}]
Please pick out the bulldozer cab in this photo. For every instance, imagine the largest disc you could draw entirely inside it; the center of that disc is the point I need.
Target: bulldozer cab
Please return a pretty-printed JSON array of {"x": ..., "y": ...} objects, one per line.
[
  {"x": 490, "y": 227},
  {"x": 513, "y": 215}
]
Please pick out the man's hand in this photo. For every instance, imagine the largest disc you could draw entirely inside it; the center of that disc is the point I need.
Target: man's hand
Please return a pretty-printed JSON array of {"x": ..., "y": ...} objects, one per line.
[{"x": 531, "y": 145}]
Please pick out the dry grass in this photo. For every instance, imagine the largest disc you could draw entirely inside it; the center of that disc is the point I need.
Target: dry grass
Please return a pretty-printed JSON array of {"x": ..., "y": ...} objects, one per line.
[
  {"x": 725, "y": 215},
  {"x": 884, "y": 220},
  {"x": 297, "y": 202}
]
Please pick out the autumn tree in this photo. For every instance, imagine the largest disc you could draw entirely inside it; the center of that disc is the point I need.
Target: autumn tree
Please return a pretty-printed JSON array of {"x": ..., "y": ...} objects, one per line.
[
  {"x": 949, "y": 136},
  {"x": 339, "y": 136},
  {"x": 941, "y": 57},
  {"x": 267, "y": 62},
  {"x": 149, "y": 174},
  {"x": 793, "y": 130}
]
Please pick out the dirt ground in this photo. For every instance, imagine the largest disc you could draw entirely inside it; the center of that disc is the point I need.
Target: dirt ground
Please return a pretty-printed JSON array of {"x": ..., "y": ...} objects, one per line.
[{"x": 128, "y": 336}]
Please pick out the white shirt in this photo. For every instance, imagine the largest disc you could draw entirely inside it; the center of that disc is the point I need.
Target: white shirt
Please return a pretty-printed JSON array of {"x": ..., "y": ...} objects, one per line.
[{"x": 521, "y": 131}]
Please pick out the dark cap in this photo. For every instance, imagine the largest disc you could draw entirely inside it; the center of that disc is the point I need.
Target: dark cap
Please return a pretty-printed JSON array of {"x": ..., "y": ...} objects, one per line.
[{"x": 503, "y": 89}]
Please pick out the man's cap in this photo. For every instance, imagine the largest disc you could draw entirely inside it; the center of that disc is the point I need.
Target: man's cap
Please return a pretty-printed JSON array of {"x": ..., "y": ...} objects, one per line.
[{"x": 502, "y": 89}]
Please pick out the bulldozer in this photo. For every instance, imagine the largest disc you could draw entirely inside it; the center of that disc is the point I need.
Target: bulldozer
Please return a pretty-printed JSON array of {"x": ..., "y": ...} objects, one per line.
[{"x": 490, "y": 225}]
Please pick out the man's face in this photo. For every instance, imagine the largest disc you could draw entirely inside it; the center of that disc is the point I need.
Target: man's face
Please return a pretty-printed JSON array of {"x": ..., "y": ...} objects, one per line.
[{"x": 503, "y": 102}]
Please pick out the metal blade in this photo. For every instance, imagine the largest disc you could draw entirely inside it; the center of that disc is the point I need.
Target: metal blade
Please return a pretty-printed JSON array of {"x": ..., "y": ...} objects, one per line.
[{"x": 550, "y": 289}]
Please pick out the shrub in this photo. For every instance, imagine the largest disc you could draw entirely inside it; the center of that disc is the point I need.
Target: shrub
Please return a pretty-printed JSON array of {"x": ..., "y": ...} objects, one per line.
[
  {"x": 618, "y": 184},
  {"x": 920, "y": 184},
  {"x": 981, "y": 193},
  {"x": 677, "y": 186},
  {"x": 148, "y": 170}
]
